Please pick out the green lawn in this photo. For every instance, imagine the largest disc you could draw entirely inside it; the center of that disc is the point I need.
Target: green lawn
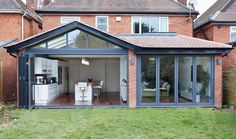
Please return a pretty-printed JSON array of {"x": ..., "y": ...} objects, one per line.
[{"x": 122, "y": 123}]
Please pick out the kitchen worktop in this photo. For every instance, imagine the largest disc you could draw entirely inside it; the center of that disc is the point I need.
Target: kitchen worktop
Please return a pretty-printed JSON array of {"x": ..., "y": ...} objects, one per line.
[{"x": 48, "y": 84}]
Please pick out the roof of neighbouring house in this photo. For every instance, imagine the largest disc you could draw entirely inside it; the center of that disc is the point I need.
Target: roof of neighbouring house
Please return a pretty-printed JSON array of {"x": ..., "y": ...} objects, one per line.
[
  {"x": 116, "y": 6},
  {"x": 135, "y": 42},
  {"x": 11, "y": 6},
  {"x": 222, "y": 11}
]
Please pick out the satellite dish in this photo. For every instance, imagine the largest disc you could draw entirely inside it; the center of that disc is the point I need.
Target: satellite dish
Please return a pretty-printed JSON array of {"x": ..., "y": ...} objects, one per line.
[{"x": 192, "y": 3}]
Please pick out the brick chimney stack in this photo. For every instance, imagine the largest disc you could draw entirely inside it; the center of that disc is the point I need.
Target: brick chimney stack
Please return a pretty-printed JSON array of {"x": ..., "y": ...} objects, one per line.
[
  {"x": 33, "y": 4},
  {"x": 184, "y": 2},
  {"x": 46, "y": 2}
]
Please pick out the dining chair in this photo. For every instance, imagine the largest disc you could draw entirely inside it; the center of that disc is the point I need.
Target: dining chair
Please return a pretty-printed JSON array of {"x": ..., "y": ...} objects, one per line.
[{"x": 97, "y": 89}]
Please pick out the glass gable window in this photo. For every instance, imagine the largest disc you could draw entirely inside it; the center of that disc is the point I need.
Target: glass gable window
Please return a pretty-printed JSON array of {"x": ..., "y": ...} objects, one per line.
[
  {"x": 76, "y": 39},
  {"x": 232, "y": 33},
  {"x": 146, "y": 24},
  {"x": 102, "y": 23}
]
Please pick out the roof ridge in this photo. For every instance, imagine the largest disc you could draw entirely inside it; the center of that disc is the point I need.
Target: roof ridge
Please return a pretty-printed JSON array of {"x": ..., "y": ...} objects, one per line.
[
  {"x": 227, "y": 5},
  {"x": 186, "y": 7}
]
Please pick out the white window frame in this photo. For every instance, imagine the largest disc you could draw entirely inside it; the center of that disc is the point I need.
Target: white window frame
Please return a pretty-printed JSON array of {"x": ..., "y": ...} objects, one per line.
[
  {"x": 231, "y": 31},
  {"x": 72, "y": 18},
  {"x": 140, "y": 20},
  {"x": 107, "y": 30}
]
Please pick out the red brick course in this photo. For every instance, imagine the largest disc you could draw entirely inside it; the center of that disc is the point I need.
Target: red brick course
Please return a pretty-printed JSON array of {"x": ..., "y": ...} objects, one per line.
[
  {"x": 180, "y": 24},
  {"x": 218, "y": 82},
  {"x": 10, "y": 28},
  {"x": 132, "y": 79}
]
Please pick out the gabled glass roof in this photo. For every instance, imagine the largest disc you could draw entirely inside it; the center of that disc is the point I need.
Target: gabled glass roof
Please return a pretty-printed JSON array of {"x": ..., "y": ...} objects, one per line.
[{"x": 77, "y": 39}]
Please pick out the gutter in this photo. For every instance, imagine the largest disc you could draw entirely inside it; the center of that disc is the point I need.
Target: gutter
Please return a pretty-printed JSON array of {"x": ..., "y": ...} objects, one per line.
[{"x": 216, "y": 23}]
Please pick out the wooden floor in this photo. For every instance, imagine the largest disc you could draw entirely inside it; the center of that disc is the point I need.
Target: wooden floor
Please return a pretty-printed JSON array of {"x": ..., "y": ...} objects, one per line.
[{"x": 106, "y": 98}]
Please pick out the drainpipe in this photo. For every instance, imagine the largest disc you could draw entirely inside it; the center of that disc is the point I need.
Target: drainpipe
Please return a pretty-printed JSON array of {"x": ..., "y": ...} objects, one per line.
[{"x": 22, "y": 25}]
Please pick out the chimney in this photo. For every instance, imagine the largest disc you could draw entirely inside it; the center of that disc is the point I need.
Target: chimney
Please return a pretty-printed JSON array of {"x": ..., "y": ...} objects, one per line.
[
  {"x": 33, "y": 4},
  {"x": 46, "y": 2},
  {"x": 184, "y": 2}
]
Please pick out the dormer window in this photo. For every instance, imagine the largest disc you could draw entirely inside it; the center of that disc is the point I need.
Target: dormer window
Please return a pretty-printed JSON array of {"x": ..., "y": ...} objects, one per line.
[
  {"x": 146, "y": 24},
  {"x": 232, "y": 33}
]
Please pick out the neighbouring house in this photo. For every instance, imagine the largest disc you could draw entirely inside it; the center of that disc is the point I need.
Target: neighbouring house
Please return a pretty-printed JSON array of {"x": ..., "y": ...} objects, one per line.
[
  {"x": 104, "y": 53},
  {"x": 218, "y": 24},
  {"x": 17, "y": 22}
]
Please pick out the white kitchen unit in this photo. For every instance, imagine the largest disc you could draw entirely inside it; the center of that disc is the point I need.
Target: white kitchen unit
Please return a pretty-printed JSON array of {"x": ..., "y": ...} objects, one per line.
[
  {"x": 45, "y": 93},
  {"x": 43, "y": 65}
]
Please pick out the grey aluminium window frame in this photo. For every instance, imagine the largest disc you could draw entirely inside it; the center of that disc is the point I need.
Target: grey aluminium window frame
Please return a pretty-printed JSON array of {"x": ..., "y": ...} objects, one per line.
[{"x": 175, "y": 104}]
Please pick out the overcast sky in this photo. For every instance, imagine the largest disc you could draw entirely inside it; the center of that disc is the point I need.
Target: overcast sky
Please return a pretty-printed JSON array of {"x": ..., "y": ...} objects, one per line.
[{"x": 203, "y": 5}]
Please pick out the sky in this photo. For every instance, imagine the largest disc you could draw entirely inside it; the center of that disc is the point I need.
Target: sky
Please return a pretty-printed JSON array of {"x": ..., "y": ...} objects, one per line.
[{"x": 203, "y": 5}]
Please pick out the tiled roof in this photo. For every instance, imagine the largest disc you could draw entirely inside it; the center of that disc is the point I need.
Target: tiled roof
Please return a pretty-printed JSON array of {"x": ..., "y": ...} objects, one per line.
[
  {"x": 141, "y": 6},
  {"x": 222, "y": 10},
  {"x": 18, "y": 6},
  {"x": 170, "y": 40}
]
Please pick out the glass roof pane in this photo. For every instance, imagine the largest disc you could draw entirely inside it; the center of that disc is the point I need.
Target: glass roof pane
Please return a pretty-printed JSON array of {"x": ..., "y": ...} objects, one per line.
[
  {"x": 57, "y": 43},
  {"x": 97, "y": 43},
  {"x": 77, "y": 39}
]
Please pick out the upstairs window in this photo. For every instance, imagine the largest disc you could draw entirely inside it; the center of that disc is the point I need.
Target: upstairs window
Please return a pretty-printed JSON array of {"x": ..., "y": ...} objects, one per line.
[
  {"x": 149, "y": 24},
  {"x": 232, "y": 33},
  {"x": 102, "y": 23},
  {"x": 67, "y": 19}
]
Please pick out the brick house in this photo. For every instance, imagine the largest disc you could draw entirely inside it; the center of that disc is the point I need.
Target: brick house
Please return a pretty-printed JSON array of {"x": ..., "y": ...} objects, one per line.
[
  {"x": 120, "y": 54},
  {"x": 17, "y": 22},
  {"x": 218, "y": 24}
]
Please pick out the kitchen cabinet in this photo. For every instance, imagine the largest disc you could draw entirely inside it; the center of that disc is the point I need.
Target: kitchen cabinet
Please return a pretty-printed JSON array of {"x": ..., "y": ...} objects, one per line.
[
  {"x": 43, "y": 65},
  {"x": 45, "y": 93}
]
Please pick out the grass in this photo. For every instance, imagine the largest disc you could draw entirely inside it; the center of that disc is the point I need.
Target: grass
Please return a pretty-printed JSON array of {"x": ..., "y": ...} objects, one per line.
[{"x": 145, "y": 123}]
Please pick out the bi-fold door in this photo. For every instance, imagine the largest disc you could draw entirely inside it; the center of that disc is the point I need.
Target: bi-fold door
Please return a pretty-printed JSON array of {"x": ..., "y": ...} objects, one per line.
[
  {"x": 26, "y": 80},
  {"x": 175, "y": 80}
]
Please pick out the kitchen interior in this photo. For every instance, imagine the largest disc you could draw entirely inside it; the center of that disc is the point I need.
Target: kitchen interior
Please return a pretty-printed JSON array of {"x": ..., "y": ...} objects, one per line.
[{"x": 65, "y": 80}]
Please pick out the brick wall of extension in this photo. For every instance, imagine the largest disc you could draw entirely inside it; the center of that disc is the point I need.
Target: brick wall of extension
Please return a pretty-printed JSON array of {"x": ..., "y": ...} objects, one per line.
[
  {"x": 180, "y": 24},
  {"x": 11, "y": 28}
]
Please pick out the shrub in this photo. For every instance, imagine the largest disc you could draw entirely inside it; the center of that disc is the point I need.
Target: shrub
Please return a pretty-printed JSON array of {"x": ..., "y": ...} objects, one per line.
[{"x": 5, "y": 116}]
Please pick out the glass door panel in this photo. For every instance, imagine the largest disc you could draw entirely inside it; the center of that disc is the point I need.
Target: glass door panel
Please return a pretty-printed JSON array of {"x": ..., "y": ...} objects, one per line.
[
  {"x": 203, "y": 87},
  {"x": 167, "y": 79},
  {"x": 148, "y": 79},
  {"x": 185, "y": 78}
]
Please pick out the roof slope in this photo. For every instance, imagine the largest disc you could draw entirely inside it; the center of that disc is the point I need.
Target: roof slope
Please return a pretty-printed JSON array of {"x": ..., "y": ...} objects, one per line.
[
  {"x": 220, "y": 11},
  {"x": 18, "y": 6},
  {"x": 113, "y": 6},
  {"x": 135, "y": 42},
  {"x": 170, "y": 40}
]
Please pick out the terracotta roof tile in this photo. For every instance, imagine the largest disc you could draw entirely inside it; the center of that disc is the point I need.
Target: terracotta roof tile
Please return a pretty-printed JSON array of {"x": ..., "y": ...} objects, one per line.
[{"x": 171, "y": 41}]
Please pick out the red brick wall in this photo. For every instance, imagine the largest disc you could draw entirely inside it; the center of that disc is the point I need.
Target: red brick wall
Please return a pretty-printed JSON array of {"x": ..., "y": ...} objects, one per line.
[
  {"x": 180, "y": 24},
  {"x": 205, "y": 33},
  {"x": 132, "y": 79},
  {"x": 221, "y": 34},
  {"x": 10, "y": 28},
  {"x": 218, "y": 83}
]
